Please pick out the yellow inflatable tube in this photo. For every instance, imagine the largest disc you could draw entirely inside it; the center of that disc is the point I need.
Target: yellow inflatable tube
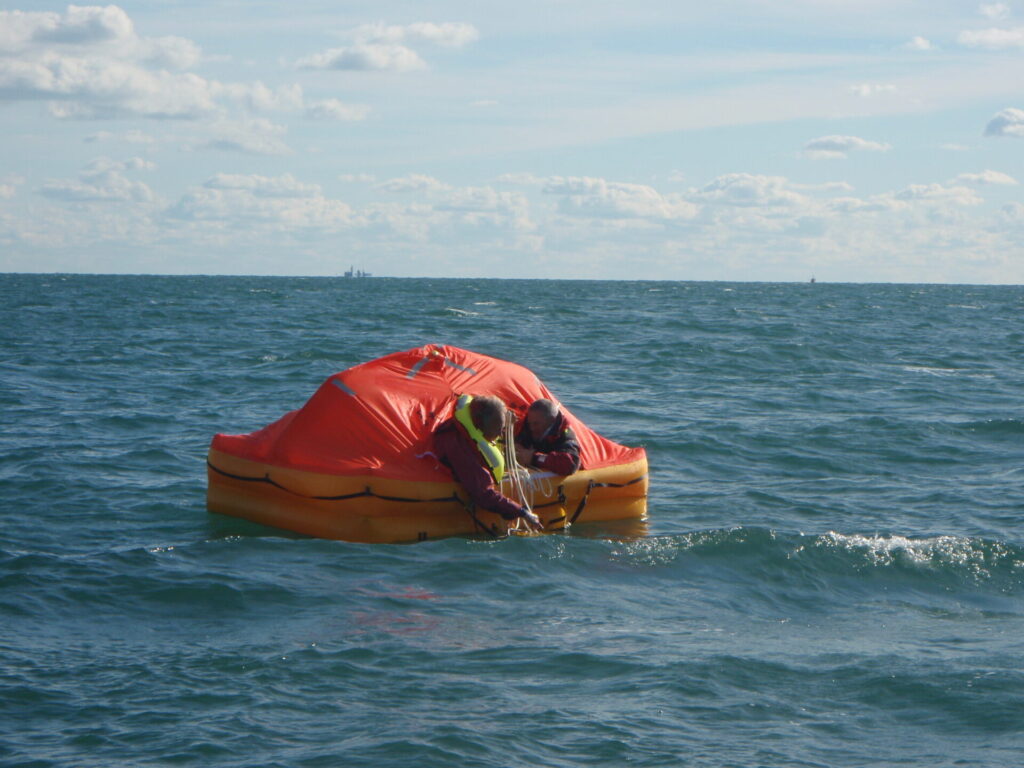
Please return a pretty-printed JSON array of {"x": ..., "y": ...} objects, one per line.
[{"x": 379, "y": 510}]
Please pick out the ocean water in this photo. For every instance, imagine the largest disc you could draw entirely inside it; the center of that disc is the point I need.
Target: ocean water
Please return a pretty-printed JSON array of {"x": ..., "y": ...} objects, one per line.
[{"x": 832, "y": 572}]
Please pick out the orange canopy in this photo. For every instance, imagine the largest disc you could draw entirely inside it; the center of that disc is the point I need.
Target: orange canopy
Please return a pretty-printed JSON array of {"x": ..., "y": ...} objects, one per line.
[{"x": 378, "y": 418}]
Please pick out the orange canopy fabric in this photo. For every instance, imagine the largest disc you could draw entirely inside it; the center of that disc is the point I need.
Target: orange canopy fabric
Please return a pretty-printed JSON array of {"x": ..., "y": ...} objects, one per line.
[{"x": 378, "y": 418}]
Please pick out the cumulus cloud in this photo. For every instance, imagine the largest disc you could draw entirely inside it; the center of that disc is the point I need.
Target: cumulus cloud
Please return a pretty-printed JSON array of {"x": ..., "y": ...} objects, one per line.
[
  {"x": 985, "y": 178},
  {"x": 333, "y": 109},
  {"x": 9, "y": 185},
  {"x": 992, "y": 39},
  {"x": 1009, "y": 122},
  {"x": 832, "y": 147},
  {"x": 81, "y": 25},
  {"x": 257, "y": 97},
  {"x": 256, "y": 136},
  {"x": 995, "y": 11},
  {"x": 90, "y": 63},
  {"x": 357, "y": 178},
  {"x": 918, "y": 44},
  {"x": 749, "y": 190},
  {"x": 414, "y": 182},
  {"x": 264, "y": 186},
  {"x": 263, "y": 202},
  {"x": 828, "y": 186},
  {"x": 128, "y": 137},
  {"x": 956, "y": 195},
  {"x": 447, "y": 34},
  {"x": 522, "y": 179},
  {"x": 102, "y": 180},
  {"x": 599, "y": 198},
  {"x": 366, "y": 57},
  {"x": 865, "y": 90},
  {"x": 383, "y": 48}
]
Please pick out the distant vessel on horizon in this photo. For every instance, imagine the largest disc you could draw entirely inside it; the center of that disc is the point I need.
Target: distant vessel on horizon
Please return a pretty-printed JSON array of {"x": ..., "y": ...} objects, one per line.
[{"x": 353, "y": 272}]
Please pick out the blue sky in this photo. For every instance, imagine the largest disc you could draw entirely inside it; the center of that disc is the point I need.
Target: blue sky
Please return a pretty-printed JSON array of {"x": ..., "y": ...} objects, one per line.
[{"x": 735, "y": 140}]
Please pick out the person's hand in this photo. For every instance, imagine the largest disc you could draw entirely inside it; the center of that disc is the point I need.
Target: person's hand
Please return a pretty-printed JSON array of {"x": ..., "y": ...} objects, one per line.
[
  {"x": 524, "y": 455},
  {"x": 532, "y": 520}
]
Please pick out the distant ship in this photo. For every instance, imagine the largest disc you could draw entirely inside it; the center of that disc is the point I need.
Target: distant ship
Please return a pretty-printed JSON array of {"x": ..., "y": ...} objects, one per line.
[{"x": 353, "y": 272}]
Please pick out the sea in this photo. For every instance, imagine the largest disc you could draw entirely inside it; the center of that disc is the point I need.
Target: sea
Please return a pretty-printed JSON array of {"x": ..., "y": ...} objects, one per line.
[{"x": 831, "y": 572}]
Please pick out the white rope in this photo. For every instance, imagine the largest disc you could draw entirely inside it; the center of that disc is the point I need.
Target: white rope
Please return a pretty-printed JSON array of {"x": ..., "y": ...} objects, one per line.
[{"x": 518, "y": 476}]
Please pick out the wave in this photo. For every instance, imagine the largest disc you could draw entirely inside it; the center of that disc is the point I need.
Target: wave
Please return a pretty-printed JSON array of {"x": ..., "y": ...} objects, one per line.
[{"x": 837, "y": 560}]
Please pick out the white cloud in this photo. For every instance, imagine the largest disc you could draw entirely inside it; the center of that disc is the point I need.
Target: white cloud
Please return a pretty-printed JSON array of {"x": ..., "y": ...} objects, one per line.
[
  {"x": 102, "y": 180},
  {"x": 357, "y": 178},
  {"x": 256, "y": 136},
  {"x": 9, "y": 184},
  {"x": 865, "y": 90},
  {"x": 128, "y": 137},
  {"x": 447, "y": 34},
  {"x": 170, "y": 52},
  {"x": 257, "y": 97},
  {"x": 828, "y": 186},
  {"x": 257, "y": 203},
  {"x": 333, "y": 109},
  {"x": 521, "y": 179},
  {"x": 264, "y": 186},
  {"x": 831, "y": 147},
  {"x": 1009, "y": 122},
  {"x": 81, "y": 25},
  {"x": 995, "y": 11},
  {"x": 370, "y": 57},
  {"x": 992, "y": 39},
  {"x": 595, "y": 197},
  {"x": 750, "y": 190},
  {"x": 383, "y": 48},
  {"x": 90, "y": 63},
  {"x": 92, "y": 30},
  {"x": 918, "y": 44},
  {"x": 956, "y": 195},
  {"x": 413, "y": 183},
  {"x": 985, "y": 178}
]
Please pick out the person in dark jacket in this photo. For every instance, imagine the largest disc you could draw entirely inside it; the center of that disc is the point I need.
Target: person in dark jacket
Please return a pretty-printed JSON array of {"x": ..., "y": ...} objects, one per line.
[
  {"x": 465, "y": 444},
  {"x": 545, "y": 441}
]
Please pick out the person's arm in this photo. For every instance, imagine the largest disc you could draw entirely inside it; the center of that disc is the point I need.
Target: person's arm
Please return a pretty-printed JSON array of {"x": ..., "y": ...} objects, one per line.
[
  {"x": 476, "y": 479},
  {"x": 563, "y": 460}
]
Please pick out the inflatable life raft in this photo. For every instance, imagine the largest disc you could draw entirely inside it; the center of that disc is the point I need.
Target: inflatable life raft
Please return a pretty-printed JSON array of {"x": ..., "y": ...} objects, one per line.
[{"x": 356, "y": 462}]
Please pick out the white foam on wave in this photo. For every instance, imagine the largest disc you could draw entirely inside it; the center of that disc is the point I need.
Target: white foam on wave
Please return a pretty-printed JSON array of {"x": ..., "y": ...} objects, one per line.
[
  {"x": 931, "y": 371},
  {"x": 935, "y": 551}
]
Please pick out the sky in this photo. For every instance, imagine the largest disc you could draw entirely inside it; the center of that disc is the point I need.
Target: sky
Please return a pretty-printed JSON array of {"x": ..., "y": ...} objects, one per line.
[{"x": 846, "y": 140}]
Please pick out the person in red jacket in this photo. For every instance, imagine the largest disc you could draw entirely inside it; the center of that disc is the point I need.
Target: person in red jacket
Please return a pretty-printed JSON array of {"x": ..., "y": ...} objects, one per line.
[
  {"x": 545, "y": 441},
  {"x": 465, "y": 444}
]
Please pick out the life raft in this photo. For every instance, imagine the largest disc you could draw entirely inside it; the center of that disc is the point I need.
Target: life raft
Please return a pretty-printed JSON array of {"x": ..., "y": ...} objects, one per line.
[{"x": 356, "y": 462}]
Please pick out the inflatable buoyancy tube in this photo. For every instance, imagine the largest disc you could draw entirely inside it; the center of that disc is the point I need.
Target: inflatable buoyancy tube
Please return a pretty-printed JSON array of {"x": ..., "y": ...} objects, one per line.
[{"x": 490, "y": 451}]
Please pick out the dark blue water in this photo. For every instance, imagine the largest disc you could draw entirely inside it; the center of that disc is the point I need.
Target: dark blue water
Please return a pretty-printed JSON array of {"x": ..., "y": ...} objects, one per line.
[{"x": 833, "y": 573}]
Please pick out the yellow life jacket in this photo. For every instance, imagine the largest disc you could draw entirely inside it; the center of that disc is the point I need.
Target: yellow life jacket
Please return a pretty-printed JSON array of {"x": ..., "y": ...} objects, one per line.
[{"x": 490, "y": 451}]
